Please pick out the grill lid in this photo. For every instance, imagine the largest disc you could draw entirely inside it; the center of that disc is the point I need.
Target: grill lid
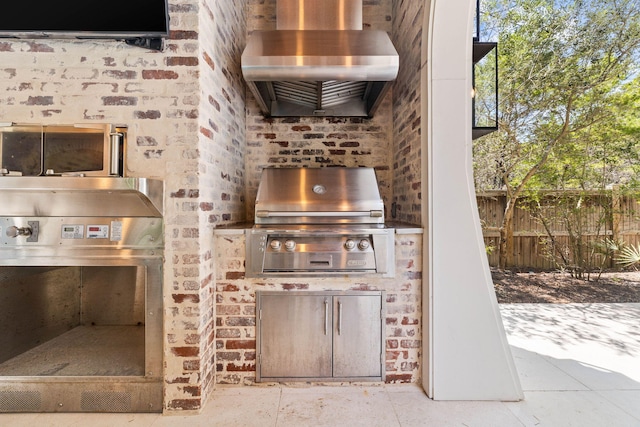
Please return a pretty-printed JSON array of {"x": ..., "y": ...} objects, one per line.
[{"x": 318, "y": 196}]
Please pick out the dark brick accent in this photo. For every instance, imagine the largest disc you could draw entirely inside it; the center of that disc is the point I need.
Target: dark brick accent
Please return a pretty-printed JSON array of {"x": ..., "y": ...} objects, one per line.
[
  {"x": 182, "y": 298},
  {"x": 39, "y": 47},
  {"x": 228, "y": 356},
  {"x": 241, "y": 344},
  {"x": 40, "y": 100},
  {"x": 189, "y": 61},
  {"x": 119, "y": 100},
  {"x": 195, "y": 391},
  {"x": 245, "y": 367},
  {"x": 291, "y": 286},
  {"x": 159, "y": 75},
  {"x": 149, "y": 114},
  {"x": 226, "y": 287},
  {"x": 183, "y": 35},
  {"x": 186, "y": 351}
]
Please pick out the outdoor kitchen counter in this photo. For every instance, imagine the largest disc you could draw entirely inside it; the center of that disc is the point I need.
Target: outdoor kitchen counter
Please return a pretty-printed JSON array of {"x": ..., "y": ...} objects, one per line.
[{"x": 235, "y": 304}]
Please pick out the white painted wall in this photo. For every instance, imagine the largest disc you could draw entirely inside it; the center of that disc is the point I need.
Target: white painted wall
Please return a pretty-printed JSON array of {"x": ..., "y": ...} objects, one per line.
[{"x": 465, "y": 342}]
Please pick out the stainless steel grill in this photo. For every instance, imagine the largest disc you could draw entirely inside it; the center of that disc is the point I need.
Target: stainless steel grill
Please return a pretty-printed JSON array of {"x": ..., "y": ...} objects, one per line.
[{"x": 319, "y": 221}]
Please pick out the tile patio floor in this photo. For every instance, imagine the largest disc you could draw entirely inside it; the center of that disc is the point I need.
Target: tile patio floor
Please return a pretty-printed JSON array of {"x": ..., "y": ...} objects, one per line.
[{"x": 579, "y": 365}]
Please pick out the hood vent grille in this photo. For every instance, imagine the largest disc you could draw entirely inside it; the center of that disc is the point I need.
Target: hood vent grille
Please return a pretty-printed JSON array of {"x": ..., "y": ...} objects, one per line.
[
  {"x": 319, "y": 62},
  {"x": 319, "y": 95}
]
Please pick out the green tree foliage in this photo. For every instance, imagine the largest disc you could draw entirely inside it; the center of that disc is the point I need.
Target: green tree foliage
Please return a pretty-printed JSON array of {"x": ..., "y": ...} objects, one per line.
[{"x": 568, "y": 112}]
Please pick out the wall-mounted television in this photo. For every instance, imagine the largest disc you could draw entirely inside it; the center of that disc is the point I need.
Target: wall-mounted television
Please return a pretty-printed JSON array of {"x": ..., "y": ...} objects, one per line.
[{"x": 140, "y": 22}]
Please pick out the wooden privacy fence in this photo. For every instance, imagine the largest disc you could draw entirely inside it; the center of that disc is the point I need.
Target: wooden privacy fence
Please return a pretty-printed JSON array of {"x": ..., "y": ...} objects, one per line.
[{"x": 601, "y": 214}]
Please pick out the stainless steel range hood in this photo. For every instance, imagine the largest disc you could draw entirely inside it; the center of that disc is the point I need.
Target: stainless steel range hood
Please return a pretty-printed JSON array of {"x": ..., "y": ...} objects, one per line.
[{"x": 319, "y": 61}]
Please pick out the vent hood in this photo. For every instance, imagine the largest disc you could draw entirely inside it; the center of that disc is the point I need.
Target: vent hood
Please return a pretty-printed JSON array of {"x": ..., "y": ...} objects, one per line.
[{"x": 319, "y": 61}]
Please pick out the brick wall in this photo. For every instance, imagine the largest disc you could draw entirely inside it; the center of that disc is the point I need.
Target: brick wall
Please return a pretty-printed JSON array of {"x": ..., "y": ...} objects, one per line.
[
  {"x": 184, "y": 108},
  {"x": 211, "y": 193},
  {"x": 407, "y": 153},
  {"x": 236, "y": 320}
]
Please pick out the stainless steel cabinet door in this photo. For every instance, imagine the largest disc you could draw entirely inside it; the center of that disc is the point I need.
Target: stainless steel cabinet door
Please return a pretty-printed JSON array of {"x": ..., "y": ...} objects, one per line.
[
  {"x": 357, "y": 336},
  {"x": 295, "y": 336}
]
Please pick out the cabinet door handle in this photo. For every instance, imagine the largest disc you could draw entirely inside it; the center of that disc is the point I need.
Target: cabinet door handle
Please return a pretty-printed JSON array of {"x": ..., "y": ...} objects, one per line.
[
  {"x": 326, "y": 316},
  {"x": 339, "y": 317}
]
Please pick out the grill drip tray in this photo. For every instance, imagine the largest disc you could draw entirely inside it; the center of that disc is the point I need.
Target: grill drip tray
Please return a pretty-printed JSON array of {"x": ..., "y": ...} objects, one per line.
[{"x": 84, "y": 351}]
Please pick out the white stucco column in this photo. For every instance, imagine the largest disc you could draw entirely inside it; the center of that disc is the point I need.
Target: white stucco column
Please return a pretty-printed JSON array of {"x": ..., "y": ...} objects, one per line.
[{"x": 465, "y": 342}]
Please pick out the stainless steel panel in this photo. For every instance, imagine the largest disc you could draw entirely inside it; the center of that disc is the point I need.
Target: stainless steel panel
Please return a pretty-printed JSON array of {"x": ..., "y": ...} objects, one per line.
[
  {"x": 113, "y": 295},
  {"x": 319, "y": 14},
  {"x": 36, "y": 305},
  {"x": 88, "y": 149},
  {"x": 83, "y": 351},
  {"x": 316, "y": 43},
  {"x": 292, "y": 334},
  {"x": 260, "y": 262},
  {"x": 109, "y": 232},
  {"x": 315, "y": 253},
  {"x": 307, "y": 195},
  {"x": 358, "y": 338},
  {"x": 96, "y": 394},
  {"x": 80, "y": 197},
  {"x": 153, "y": 351},
  {"x": 123, "y": 233},
  {"x": 293, "y": 338},
  {"x": 319, "y": 55},
  {"x": 126, "y": 361}
]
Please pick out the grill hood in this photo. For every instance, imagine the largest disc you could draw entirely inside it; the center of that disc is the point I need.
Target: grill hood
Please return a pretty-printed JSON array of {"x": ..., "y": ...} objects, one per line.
[{"x": 319, "y": 61}]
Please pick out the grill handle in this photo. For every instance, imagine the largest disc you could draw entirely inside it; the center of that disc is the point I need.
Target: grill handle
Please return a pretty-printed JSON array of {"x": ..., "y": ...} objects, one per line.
[
  {"x": 339, "y": 317},
  {"x": 326, "y": 316},
  {"x": 272, "y": 214}
]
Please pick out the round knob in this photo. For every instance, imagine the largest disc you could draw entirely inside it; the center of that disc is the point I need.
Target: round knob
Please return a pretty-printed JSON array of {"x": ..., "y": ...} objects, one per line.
[
  {"x": 289, "y": 245},
  {"x": 349, "y": 245},
  {"x": 14, "y": 231},
  {"x": 275, "y": 245},
  {"x": 364, "y": 244}
]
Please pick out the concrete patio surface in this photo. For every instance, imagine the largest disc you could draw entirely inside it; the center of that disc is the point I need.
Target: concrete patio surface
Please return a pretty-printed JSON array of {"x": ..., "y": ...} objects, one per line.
[{"x": 579, "y": 365}]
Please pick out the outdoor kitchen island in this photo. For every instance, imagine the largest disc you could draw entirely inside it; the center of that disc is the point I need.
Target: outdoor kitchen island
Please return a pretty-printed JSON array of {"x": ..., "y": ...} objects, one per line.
[{"x": 236, "y": 305}]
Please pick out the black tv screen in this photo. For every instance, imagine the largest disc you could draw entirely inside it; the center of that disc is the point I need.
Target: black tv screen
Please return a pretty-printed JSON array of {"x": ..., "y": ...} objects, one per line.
[{"x": 84, "y": 18}]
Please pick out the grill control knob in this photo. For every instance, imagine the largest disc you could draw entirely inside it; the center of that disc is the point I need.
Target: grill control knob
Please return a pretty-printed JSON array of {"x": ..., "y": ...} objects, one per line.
[
  {"x": 364, "y": 244},
  {"x": 14, "y": 231},
  {"x": 350, "y": 245},
  {"x": 290, "y": 245},
  {"x": 275, "y": 245}
]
